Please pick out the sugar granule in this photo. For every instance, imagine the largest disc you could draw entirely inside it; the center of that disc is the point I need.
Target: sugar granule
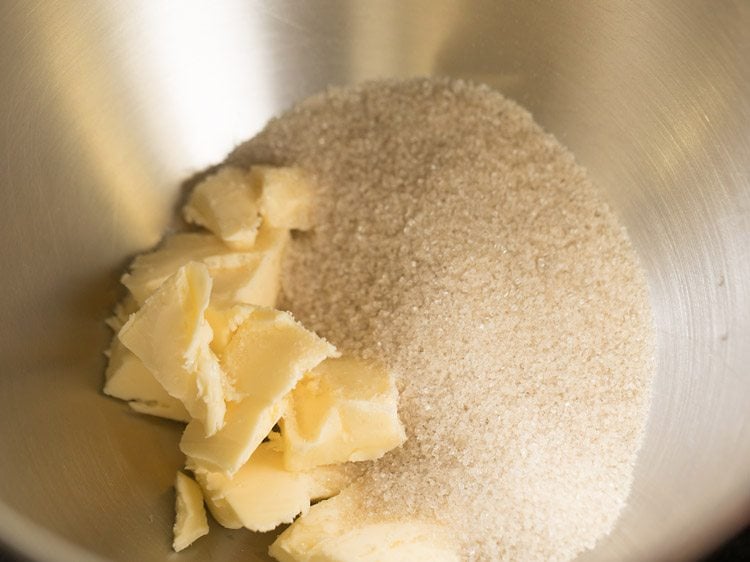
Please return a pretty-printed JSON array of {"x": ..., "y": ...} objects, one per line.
[{"x": 462, "y": 245}]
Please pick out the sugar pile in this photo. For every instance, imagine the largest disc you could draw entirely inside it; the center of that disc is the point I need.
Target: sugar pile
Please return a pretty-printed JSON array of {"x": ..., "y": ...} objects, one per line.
[{"x": 461, "y": 244}]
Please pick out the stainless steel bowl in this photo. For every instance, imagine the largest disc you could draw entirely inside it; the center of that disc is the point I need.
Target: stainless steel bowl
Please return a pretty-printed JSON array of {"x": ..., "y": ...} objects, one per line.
[{"x": 107, "y": 106}]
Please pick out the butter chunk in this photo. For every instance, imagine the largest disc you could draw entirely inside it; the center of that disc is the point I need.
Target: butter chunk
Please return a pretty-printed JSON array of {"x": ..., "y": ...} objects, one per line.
[
  {"x": 266, "y": 357},
  {"x": 329, "y": 533},
  {"x": 247, "y": 276},
  {"x": 227, "y": 203},
  {"x": 247, "y": 423},
  {"x": 149, "y": 271},
  {"x": 324, "y": 481},
  {"x": 210, "y": 483},
  {"x": 343, "y": 410},
  {"x": 222, "y": 512},
  {"x": 171, "y": 336},
  {"x": 224, "y": 323},
  {"x": 256, "y": 281},
  {"x": 127, "y": 378},
  {"x": 270, "y": 352},
  {"x": 286, "y": 197},
  {"x": 190, "y": 519},
  {"x": 263, "y": 494}
]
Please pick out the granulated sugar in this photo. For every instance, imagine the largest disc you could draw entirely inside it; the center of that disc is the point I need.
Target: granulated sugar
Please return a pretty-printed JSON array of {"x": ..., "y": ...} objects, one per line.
[{"x": 462, "y": 245}]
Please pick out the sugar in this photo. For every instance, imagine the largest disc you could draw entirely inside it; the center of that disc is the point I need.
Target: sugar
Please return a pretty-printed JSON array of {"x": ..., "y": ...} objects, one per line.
[{"x": 462, "y": 245}]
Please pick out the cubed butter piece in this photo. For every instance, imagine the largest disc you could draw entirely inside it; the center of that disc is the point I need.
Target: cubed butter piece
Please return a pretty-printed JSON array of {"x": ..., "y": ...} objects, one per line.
[
  {"x": 263, "y": 494},
  {"x": 171, "y": 336},
  {"x": 227, "y": 203},
  {"x": 270, "y": 352},
  {"x": 247, "y": 423},
  {"x": 343, "y": 410},
  {"x": 127, "y": 378},
  {"x": 247, "y": 276},
  {"x": 266, "y": 357},
  {"x": 255, "y": 282},
  {"x": 224, "y": 323},
  {"x": 286, "y": 197},
  {"x": 325, "y": 481},
  {"x": 329, "y": 533},
  {"x": 149, "y": 271},
  {"x": 190, "y": 519},
  {"x": 223, "y": 512}
]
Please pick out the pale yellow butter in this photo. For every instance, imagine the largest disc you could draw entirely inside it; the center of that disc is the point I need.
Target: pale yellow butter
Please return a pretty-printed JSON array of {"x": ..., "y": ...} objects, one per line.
[
  {"x": 149, "y": 271},
  {"x": 270, "y": 352},
  {"x": 246, "y": 425},
  {"x": 286, "y": 197},
  {"x": 265, "y": 358},
  {"x": 171, "y": 336},
  {"x": 205, "y": 347},
  {"x": 223, "y": 513},
  {"x": 227, "y": 203},
  {"x": 252, "y": 282},
  {"x": 224, "y": 323},
  {"x": 263, "y": 494},
  {"x": 248, "y": 276},
  {"x": 344, "y": 410},
  {"x": 327, "y": 533},
  {"x": 127, "y": 378},
  {"x": 190, "y": 519}
]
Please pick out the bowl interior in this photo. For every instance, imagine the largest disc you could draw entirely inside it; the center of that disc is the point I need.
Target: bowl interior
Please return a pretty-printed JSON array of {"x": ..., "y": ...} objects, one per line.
[{"x": 108, "y": 107}]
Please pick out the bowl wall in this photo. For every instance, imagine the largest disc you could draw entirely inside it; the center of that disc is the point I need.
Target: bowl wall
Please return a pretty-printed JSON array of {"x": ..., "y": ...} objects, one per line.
[{"x": 106, "y": 107}]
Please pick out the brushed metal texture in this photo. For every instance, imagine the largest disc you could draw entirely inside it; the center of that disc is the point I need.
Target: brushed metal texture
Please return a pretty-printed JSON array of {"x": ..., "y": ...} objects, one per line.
[{"x": 106, "y": 107}]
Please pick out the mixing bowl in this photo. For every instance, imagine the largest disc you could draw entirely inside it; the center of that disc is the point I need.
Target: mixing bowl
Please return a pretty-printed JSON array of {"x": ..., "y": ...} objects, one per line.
[{"x": 106, "y": 107}]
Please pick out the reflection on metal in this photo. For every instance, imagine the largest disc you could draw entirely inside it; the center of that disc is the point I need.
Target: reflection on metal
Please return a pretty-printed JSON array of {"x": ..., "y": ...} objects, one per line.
[{"x": 106, "y": 107}]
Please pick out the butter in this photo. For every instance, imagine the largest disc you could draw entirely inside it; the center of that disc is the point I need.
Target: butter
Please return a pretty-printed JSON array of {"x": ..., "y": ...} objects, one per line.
[
  {"x": 327, "y": 481},
  {"x": 224, "y": 323},
  {"x": 270, "y": 352},
  {"x": 286, "y": 196},
  {"x": 248, "y": 276},
  {"x": 247, "y": 423},
  {"x": 190, "y": 520},
  {"x": 324, "y": 481},
  {"x": 227, "y": 203},
  {"x": 223, "y": 513},
  {"x": 254, "y": 282},
  {"x": 344, "y": 410},
  {"x": 171, "y": 336},
  {"x": 198, "y": 341},
  {"x": 149, "y": 271},
  {"x": 263, "y": 494},
  {"x": 326, "y": 533},
  {"x": 266, "y": 357},
  {"x": 127, "y": 378}
]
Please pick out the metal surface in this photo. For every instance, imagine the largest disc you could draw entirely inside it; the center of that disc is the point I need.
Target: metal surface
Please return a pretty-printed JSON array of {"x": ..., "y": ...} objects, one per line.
[{"x": 105, "y": 107}]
